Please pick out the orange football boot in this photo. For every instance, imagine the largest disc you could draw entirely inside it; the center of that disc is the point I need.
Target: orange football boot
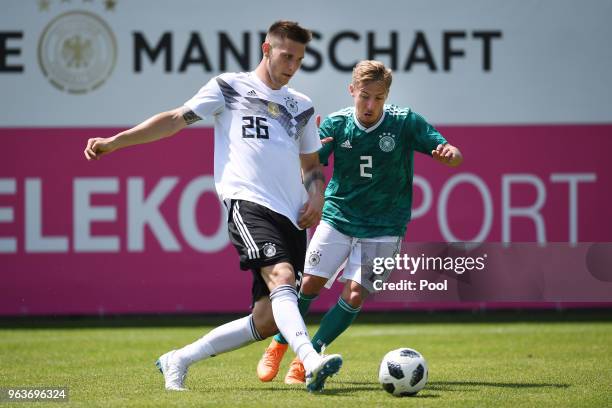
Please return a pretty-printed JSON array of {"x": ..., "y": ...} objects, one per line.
[
  {"x": 296, "y": 373},
  {"x": 268, "y": 366}
]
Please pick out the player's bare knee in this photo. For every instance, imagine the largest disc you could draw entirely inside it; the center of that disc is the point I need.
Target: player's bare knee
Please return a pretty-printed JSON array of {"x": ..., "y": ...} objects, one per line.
[
  {"x": 354, "y": 294},
  {"x": 312, "y": 285},
  {"x": 353, "y": 299},
  {"x": 277, "y": 275}
]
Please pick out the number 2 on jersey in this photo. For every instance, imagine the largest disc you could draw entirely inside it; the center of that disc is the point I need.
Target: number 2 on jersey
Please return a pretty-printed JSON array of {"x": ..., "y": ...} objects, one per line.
[
  {"x": 366, "y": 164},
  {"x": 254, "y": 122}
]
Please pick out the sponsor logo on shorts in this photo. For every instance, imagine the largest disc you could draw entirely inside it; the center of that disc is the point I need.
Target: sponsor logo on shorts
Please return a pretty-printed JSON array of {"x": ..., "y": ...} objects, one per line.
[
  {"x": 314, "y": 257},
  {"x": 269, "y": 249}
]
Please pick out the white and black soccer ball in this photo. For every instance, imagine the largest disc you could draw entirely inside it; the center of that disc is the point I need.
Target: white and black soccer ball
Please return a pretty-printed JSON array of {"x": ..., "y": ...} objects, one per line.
[{"x": 403, "y": 372}]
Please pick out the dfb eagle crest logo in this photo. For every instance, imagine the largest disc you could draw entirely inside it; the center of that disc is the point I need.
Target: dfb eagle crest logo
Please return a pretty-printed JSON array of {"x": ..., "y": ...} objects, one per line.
[
  {"x": 291, "y": 104},
  {"x": 314, "y": 258},
  {"x": 387, "y": 142},
  {"x": 269, "y": 249}
]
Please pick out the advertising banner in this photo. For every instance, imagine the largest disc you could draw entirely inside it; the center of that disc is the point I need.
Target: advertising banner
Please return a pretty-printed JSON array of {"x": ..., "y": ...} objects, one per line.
[{"x": 142, "y": 230}]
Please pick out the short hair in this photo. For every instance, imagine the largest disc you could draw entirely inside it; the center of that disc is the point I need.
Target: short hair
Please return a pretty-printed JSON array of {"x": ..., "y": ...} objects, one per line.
[
  {"x": 291, "y": 30},
  {"x": 370, "y": 71}
]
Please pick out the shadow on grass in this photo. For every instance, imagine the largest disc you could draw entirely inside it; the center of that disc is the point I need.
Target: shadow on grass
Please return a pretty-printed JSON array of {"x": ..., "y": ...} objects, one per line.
[
  {"x": 432, "y": 390},
  {"x": 464, "y": 385},
  {"x": 353, "y": 387},
  {"x": 192, "y": 320},
  {"x": 348, "y": 391},
  {"x": 452, "y": 386}
]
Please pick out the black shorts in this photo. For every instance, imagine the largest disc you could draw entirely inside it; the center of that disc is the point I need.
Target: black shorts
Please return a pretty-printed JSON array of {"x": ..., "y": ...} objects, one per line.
[{"x": 262, "y": 238}]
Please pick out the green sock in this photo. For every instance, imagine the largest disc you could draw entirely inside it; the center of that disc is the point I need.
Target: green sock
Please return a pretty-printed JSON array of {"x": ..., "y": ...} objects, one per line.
[
  {"x": 334, "y": 323},
  {"x": 303, "y": 305}
]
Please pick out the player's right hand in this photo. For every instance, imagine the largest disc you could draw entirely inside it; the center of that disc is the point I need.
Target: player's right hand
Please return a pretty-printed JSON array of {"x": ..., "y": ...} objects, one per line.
[{"x": 97, "y": 147}]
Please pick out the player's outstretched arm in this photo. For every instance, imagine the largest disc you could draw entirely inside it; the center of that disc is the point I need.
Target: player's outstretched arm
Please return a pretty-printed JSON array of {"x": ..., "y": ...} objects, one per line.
[
  {"x": 314, "y": 182},
  {"x": 162, "y": 125},
  {"x": 447, "y": 154}
]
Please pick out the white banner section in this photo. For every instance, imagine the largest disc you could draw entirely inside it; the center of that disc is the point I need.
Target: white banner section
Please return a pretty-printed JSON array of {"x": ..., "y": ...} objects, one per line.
[{"x": 117, "y": 62}]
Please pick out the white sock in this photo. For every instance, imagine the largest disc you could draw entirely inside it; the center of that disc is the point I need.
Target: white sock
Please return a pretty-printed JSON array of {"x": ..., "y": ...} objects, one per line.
[
  {"x": 222, "y": 339},
  {"x": 291, "y": 325}
]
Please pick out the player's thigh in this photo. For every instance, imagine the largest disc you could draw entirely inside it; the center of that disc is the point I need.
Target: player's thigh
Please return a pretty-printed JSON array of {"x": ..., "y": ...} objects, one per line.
[
  {"x": 258, "y": 234},
  {"x": 327, "y": 251},
  {"x": 278, "y": 274},
  {"x": 359, "y": 266},
  {"x": 266, "y": 240}
]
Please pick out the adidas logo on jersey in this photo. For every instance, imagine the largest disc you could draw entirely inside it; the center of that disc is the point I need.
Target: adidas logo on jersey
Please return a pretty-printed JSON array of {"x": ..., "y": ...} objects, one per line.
[
  {"x": 252, "y": 93},
  {"x": 346, "y": 144}
]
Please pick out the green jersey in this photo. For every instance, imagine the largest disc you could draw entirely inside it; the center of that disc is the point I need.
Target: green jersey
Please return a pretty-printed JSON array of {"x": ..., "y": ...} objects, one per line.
[{"x": 370, "y": 193}]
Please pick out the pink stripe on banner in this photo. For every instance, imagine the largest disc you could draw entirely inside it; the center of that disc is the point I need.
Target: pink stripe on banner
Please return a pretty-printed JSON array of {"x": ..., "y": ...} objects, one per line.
[{"x": 140, "y": 231}]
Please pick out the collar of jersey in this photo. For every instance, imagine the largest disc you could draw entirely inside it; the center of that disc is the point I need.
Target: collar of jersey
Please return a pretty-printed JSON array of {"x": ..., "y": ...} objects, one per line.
[
  {"x": 263, "y": 84},
  {"x": 371, "y": 128}
]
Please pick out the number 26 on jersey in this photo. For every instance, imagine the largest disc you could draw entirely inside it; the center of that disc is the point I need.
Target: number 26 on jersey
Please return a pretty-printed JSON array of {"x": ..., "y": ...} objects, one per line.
[{"x": 254, "y": 127}]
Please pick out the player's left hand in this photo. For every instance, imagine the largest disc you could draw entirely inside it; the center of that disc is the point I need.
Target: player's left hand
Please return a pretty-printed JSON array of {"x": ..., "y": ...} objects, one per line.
[
  {"x": 325, "y": 140},
  {"x": 447, "y": 154},
  {"x": 310, "y": 214}
]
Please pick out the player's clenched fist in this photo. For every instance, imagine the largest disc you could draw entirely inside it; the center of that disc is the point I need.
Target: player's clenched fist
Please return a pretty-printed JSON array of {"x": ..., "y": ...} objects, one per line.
[
  {"x": 447, "y": 154},
  {"x": 98, "y": 146}
]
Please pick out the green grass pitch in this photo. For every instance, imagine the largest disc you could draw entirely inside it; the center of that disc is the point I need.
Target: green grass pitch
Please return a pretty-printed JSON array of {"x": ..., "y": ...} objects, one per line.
[{"x": 514, "y": 360}]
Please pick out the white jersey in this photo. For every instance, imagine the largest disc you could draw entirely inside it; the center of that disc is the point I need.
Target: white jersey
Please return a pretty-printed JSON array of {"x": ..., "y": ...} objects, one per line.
[{"x": 259, "y": 134}]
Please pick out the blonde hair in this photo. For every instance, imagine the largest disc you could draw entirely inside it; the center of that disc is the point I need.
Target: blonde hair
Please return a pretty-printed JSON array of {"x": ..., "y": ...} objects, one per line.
[{"x": 371, "y": 70}]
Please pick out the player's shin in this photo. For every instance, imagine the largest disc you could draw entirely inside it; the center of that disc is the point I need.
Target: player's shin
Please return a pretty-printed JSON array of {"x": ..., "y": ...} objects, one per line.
[
  {"x": 334, "y": 323},
  {"x": 228, "y": 337},
  {"x": 291, "y": 325},
  {"x": 304, "y": 302}
]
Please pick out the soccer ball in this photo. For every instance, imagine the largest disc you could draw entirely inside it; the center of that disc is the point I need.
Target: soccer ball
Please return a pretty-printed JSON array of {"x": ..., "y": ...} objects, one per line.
[{"x": 403, "y": 372}]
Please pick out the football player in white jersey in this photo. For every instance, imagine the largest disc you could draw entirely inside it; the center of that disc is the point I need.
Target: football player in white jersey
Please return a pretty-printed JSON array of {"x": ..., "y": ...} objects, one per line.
[{"x": 266, "y": 143}]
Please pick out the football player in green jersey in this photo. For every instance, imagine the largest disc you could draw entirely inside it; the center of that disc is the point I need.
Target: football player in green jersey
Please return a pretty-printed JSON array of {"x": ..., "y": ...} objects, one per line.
[{"x": 367, "y": 202}]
